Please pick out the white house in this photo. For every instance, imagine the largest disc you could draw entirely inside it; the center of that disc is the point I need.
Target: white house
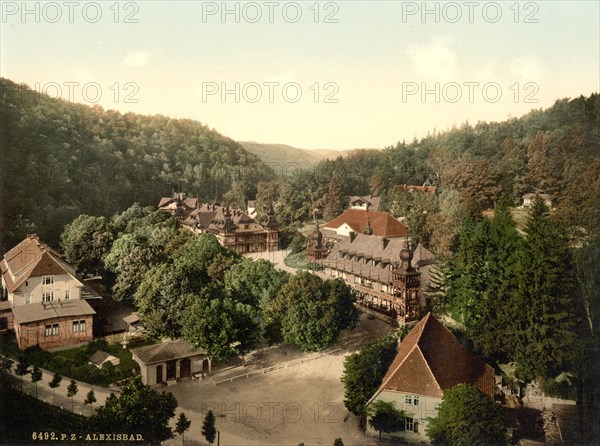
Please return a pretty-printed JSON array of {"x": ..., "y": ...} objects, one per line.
[
  {"x": 430, "y": 360},
  {"x": 528, "y": 199}
]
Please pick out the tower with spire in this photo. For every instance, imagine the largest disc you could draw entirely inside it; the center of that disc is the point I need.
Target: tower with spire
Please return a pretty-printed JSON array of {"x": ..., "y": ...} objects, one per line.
[
  {"x": 315, "y": 249},
  {"x": 271, "y": 225},
  {"x": 406, "y": 281}
]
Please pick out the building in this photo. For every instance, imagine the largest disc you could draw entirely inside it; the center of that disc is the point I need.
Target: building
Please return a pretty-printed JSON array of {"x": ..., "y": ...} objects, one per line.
[
  {"x": 426, "y": 189},
  {"x": 385, "y": 274},
  {"x": 169, "y": 362},
  {"x": 43, "y": 299},
  {"x": 378, "y": 223},
  {"x": 364, "y": 202},
  {"x": 429, "y": 361},
  {"x": 233, "y": 228},
  {"x": 529, "y": 198},
  {"x": 53, "y": 324}
]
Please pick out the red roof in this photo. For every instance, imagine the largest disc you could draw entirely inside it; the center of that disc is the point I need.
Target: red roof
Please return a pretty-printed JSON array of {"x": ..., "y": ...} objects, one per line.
[
  {"x": 382, "y": 223},
  {"x": 430, "y": 360}
]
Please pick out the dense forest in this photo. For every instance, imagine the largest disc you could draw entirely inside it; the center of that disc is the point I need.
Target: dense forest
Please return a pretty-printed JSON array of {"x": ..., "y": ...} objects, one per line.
[{"x": 61, "y": 159}]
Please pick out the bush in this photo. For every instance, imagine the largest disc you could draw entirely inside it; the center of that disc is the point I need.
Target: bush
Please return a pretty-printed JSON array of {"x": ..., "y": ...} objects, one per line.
[{"x": 555, "y": 388}]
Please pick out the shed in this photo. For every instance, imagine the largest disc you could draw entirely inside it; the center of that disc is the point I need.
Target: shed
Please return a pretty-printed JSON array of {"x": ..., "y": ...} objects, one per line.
[
  {"x": 169, "y": 362},
  {"x": 100, "y": 358}
]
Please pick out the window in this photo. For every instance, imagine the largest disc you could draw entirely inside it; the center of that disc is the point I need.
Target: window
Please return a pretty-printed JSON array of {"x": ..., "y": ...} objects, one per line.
[
  {"x": 79, "y": 326},
  {"x": 408, "y": 399},
  {"x": 411, "y": 425},
  {"x": 27, "y": 283},
  {"x": 52, "y": 330},
  {"x": 27, "y": 298},
  {"x": 416, "y": 400},
  {"x": 48, "y": 280},
  {"x": 67, "y": 294},
  {"x": 47, "y": 296}
]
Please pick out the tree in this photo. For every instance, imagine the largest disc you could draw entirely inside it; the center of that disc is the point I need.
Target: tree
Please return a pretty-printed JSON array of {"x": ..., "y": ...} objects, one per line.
[
  {"x": 363, "y": 372},
  {"x": 253, "y": 281},
  {"x": 36, "y": 375},
  {"x": 90, "y": 399},
  {"x": 208, "y": 427},
  {"x": 56, "y": 379},
  {"x": 72, "y": 390},
  {"x": 312, "y": 312},
  {"x": 6, "y": 364},
  {"x": 338, "y": 442},
  {"x": 542, "y": 325},
  {"x": 217, "y": 324},
  {"x": 183, "y": 424},
  {"x": 138, "y": 408},
  {"x": 22, "y": 369},
  {"x": 384, "y": 416},
  {"x": 467, "y": 417},
  {"x": 86, "y": 241}
]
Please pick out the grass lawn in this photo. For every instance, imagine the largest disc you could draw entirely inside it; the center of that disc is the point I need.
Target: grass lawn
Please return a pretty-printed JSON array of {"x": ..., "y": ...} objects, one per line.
[{"x": 298, "y": 260}]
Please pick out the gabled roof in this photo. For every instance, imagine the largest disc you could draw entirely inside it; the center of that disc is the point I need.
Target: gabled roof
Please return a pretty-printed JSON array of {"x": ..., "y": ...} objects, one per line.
[
  {"x": 32, "y": 258},
  {"x": 430, "y": 360},
  {"x": 357, "y": 200},
  {"x": 165, "y": 351},
  {"x": 24, "y": 314},
  {"x": 382, "y": 223}
]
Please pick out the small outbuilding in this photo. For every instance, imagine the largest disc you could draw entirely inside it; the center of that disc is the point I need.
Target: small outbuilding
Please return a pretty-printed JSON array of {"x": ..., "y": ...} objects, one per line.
[
  {"x": 100, "y": 358},
  {"x": 169, "y": 362}
]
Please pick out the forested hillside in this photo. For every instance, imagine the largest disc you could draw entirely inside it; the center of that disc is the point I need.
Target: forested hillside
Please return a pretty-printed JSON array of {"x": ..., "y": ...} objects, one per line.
[
  {"x": 61, "y": 159},
  {"x": 554, "y": 151}
]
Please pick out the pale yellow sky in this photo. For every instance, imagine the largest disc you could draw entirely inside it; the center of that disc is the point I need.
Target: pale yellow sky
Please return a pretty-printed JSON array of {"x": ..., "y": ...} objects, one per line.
[{"x": 335, "y": 75}]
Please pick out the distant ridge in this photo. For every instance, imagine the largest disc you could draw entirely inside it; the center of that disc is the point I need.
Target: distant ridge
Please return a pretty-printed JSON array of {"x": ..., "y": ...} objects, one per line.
[{"x": 280, "y": 155}]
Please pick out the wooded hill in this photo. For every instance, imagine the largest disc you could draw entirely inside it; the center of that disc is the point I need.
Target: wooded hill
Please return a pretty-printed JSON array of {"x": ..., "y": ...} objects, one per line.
[{"x": 60, "y": 159}]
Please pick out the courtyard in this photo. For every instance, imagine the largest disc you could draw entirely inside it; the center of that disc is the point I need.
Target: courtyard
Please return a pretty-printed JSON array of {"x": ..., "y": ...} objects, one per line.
[{"x": 298, "y": 398}]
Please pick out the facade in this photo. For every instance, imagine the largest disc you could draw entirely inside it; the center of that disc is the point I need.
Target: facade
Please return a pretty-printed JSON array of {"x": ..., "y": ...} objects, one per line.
[
  {"x": 41, "y": 290},
  {"x": 233, "y": 228},
  {"x": 316, "y": 250},
  {"x": 53, "y": 324},
  {"x": 385, "y": 274},
  {"x": 529, "y": 198},
  {"x": 382, "y": 224},
  {"x": 169, "y": 362},
  {"x": 429, "y": 361}
]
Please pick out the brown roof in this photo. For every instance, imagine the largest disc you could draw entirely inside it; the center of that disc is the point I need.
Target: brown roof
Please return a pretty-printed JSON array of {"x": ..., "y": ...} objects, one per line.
[
  {"x": 382, "y": 223},
  {"x": 32, "y": 258},
  {"x": 428, "y": 190},
  {"x": 211, "y": 218},
  {"x": 24, "y": 314},
  {"x": 165, "y": 351},
  {"x": 430, "y": 360},
  {"x": 348, "y": 255}
]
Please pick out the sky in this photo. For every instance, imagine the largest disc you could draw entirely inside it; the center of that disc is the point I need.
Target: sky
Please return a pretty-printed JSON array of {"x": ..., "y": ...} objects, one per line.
[{"x": 317, "y": 75}]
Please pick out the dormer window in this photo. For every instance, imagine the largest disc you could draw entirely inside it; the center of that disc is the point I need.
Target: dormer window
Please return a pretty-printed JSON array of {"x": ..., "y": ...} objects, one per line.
[
  {"x": 27, "y": 283},
  {"x": 47, "y": 280}
]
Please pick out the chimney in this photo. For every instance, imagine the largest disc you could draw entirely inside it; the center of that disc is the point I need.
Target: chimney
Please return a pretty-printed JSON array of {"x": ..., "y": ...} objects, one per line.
[
  {"x": 352, "y": 236},
  {"x": 385, "y": 242}
]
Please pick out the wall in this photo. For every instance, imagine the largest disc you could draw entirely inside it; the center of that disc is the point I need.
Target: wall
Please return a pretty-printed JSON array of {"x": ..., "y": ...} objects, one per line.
[
  {"x": 427, "y": 407},
  {"x": 35, "y": 288},
  {"x": 33, "y": 333}
]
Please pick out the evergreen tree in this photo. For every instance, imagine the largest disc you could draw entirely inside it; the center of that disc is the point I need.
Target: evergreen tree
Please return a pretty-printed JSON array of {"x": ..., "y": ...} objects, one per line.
[
  {"x": 90, "y": 399},
  {"x": 56, "y": 379},
  {"x": 22, "y": 369},
  {"x": 183, "y": 424},
  {"x": 36, "y": 375},
  {"x": 543, "y": 323},
  {"x": 208, "y": 427},
  {"x": 72, "y": 390}
]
